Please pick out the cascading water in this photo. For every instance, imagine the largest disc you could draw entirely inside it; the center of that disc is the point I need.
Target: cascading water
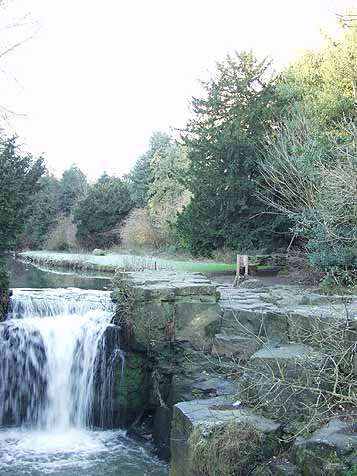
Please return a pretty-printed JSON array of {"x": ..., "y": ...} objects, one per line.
[
  {"x": 56, "y": 377},
  {"x": 50, "y": 343}
]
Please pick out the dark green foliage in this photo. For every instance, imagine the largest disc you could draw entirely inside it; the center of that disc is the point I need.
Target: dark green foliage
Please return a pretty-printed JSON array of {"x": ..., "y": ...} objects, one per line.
[
  {"x": 224, "y": 143},
  {"x": 73, "y": 185},
  {"x": 139, "y": 179},
  {"x": 352, "y": 471},
  {"x": 19, "y": 179},
  {"x": 43, "y": 213},
  {"x": 105, "y": 205},
  {"x": 325, "y": 80}
]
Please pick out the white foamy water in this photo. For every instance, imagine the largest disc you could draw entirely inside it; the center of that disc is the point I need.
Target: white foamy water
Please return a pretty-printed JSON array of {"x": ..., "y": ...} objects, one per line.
[
  {"x": 50, "y": 344},
  {"x": 55, "y": 383}
]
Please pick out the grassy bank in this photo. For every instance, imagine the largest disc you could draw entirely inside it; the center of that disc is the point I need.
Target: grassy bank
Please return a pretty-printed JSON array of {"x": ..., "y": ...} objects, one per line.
[{"x": 110, "y": 262}]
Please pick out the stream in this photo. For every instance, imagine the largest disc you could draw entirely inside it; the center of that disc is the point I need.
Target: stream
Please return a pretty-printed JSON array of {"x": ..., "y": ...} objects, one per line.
[{"x": 51, "y": 343}]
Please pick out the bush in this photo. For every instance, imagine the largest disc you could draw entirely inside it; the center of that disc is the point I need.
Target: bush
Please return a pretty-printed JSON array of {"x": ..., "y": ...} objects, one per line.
[
  {"x": 351, "y": 472},
  {"x": 333, "y": 226},
  {"x": 101, "y": 211},
  {"x": 320, "y": 197},
  {"x": 138, "y": 231},
  {"x": 63, "y": 236}
]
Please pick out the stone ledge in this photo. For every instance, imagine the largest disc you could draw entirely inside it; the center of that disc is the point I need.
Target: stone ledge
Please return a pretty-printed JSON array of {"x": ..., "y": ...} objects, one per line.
[
  {"x": 329, "y": 451},
  {"x": 207, "y": 413}
]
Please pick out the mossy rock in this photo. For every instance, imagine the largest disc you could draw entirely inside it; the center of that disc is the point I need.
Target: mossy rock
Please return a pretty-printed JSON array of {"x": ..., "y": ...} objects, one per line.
[{"x": 132, "y": 388}]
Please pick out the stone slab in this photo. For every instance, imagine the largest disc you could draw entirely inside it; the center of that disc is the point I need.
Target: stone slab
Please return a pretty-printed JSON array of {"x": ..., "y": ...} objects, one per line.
[{"x": 207, "y": 413}]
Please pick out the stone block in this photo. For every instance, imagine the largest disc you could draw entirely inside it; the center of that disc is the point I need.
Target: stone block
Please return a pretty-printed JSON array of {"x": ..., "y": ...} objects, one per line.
[
  {"x": 283, "y": 380},
  {"x": 241, "y": 348},
  {"x": 207, "y": 413},
  {"x": 263, "y": 325},
  {"x": 196, "y": 323},
  {"x": 131, "y": 388},
  {"x": 329, "y": 451}
]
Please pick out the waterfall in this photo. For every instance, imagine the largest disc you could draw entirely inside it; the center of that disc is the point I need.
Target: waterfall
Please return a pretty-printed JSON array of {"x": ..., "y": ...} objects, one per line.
[{"x": 58, "y": 354}]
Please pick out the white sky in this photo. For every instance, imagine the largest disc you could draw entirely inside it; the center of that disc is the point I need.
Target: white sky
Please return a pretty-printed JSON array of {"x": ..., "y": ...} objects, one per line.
[{"x": 101, "y": 76}]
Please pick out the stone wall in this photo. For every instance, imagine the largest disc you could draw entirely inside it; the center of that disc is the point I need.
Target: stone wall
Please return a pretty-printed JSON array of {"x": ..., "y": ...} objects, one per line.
[{"x": 205, "y": 356}]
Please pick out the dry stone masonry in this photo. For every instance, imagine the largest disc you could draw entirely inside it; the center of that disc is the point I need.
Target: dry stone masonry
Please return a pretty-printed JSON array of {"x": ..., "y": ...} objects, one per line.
[{"x": 214, "y": 355}]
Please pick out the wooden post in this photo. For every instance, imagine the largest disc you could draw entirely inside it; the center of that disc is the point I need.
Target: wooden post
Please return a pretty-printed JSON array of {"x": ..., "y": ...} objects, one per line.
[
  {"x": 246, "y": 265},
  {"x": 242, "y": 261},
  {"x": 238, "y": 267}
]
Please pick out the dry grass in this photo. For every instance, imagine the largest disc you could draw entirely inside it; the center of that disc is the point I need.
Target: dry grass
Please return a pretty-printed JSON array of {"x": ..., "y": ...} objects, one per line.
[{"x": 232, "y": 449}]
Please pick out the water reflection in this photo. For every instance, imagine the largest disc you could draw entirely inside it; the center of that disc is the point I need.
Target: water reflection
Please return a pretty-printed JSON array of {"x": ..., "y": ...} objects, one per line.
[{"x": 26, "y": 275}]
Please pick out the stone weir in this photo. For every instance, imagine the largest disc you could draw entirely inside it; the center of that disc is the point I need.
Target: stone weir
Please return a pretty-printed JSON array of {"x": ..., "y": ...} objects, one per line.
[{"x": 205, "y": 366}]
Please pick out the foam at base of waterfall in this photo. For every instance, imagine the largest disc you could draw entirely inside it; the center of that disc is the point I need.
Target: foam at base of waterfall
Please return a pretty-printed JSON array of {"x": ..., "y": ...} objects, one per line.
[
  {"x": 53, "y": 442},
  {"x": 74, "y": 453}
]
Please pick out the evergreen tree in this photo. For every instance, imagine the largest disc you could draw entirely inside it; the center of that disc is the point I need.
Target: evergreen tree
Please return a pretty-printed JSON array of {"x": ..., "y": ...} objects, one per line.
[
  {"x": 73, "y": 186},
  {"x": 224, "y": 141},
  {"x": 19, "y": 180},
  {"x": 19, "y": 177},
  {"x": 324, "y": 81},
  {"x": 105, "y": 205},
  {"x": 167, "y": 192},
  {"x": 139, "y": 179},
  {"x": 43, "y": 213}
]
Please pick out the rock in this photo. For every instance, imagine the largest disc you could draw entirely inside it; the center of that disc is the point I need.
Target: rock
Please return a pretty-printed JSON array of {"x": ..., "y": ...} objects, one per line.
[
  {"x": 207, "y": 413},
  {"x": 283, "y": 468},
  {"x": 262, "y": 325},
  {"x": 98, "y": 252},
  {"x": 281, "y": 380},
  {"x": 251, "y": 284},
  {"x": 316, "y": 299},
  {"x": 329, "y": 451},
  {"x": 276, "y": 468},
  {"x": 214, "y": 386},
  {"x": 181, "y": 389},
  {"x": 131, "y": 390},
  {"x": 241, "y": 348},
  {"x": 172, "y": 307},
  {"x": 197, "y": 323}
]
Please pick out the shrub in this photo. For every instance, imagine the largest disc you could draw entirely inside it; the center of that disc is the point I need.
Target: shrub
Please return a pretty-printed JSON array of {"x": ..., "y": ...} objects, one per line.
[
  {"x": 351, "y": 472},
  {"x": 63, "y": 235},
  {"x": 320, "y": 197},
  {"x": 104, "y": 207},
  {"x": 138, "y": 231}
]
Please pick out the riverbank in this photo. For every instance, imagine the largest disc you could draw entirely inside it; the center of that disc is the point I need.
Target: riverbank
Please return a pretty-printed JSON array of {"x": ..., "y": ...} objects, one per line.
[{"x": 126, "y": 262}]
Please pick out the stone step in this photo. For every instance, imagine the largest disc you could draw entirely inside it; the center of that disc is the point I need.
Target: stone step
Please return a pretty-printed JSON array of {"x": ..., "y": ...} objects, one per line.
[
  {"x": 240, "y": 348},
  {"x": 206, "y": 414},
  {"x": 283, "y": 381},
  {"x": 261, "y": 323},
  {"x": 331, "y": 450}
]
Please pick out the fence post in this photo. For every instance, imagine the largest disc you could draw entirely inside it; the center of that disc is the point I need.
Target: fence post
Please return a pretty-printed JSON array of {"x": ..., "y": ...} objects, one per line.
[{"x": 242, "y": 260}]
